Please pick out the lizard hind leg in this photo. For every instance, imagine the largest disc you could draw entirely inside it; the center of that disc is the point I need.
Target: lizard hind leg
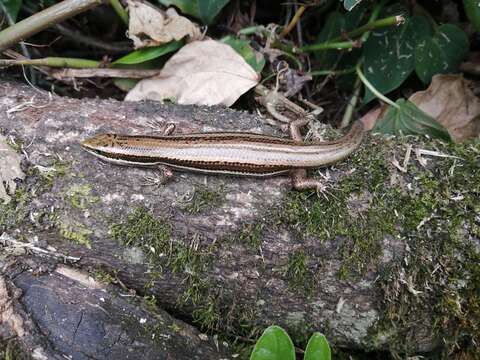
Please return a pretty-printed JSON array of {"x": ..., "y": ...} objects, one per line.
[
  {"x": 161, "y": 177},
  {"x": 169, "y": 129},
  {"x": 295, "y": 127},
  {"x": 301, "y": 181}
]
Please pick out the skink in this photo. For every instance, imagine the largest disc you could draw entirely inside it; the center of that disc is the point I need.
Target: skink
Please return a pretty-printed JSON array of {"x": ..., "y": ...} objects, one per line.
[{"x": 232, "y": 153}]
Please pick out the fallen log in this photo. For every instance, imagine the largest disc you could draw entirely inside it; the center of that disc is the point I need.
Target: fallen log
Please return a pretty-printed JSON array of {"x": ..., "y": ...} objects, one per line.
[{"x": 384, "y": 261}]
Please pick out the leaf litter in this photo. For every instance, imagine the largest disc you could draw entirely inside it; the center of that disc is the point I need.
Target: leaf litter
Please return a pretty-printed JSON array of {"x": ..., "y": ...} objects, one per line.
[
  {"x": 150, "y": 26},
  {"x": 453, "y": 104},
  {"x": 205, "y": 72}
]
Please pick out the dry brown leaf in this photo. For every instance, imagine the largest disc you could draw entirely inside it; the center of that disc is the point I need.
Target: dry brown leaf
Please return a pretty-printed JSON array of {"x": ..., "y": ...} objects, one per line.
[
  {"x": 150, "y": 26},
  {"x": 370, "y": 119},
  {"x": 450, "y": 101},
  {"x": 203, "y": 73}
]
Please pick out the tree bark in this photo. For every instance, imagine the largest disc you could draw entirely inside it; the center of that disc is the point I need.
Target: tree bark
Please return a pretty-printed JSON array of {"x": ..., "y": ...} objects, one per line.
[{"x": 66, "y": 313}]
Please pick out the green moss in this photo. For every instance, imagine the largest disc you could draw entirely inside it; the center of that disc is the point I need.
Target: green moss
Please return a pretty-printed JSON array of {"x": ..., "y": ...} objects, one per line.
[
  {"x": 187, "y": 258},
  {"x": 8, "y": 215},
  {"x": 104, "y": 277},
  {"x": 76, "y": 232},
  {"x": 362, "y": 245},
  {"x": 207, "y": 315},
  {"x": 329, "y": 218},
  {"x": 80, "y": 196},
  {"x": 151, "y": 302},
  {"x": 296, "y": 270},
  {"x": 432, "y": 210},
  {"x": 251, "y": 235},
  {"x": 437, "y": 281},
  {"x": 152, "y": 331},
  {"x": 153, "y": 276},
  {"x": 11, "y": 350},
  {"x": 311, "y": 216},
  {"x": 204, "y": 199},
  {"x": 175, "y": 328},
  {"x": 61, "y": 167},
  {"x": 15, "y": 212},
  {"x": 47, "y": 175},
  {"x": 196, "y": 289},
  {"x": 16, "y": 144},
  {"x": 368, "y": 168},
  {"x": 144, "y": 230}
]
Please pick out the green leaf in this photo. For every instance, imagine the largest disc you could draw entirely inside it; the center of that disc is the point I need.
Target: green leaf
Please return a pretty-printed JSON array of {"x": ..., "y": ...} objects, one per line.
[
  {"x": 252, "y": 57},
  {"x": 354, "y": 18},
  {"x": 408, "y": 119},
  {"x": 210, "y": 8},
  {"x": 148, "y": 53},
  {"x": 12, "y": 7},
  {"x": 347, "y": 81},
  {"x": 350, "y": 4},
  {"x": 390, "y": 54},
  {"x": 274, "y": 344},
  {"x": 335, "y": 24},
  {"x": 205, "y": 10},
  {"x": 441, "y": 53},
  {"x": 317, "y": 348},
  {"x": 472, "y": 10},
  {"x": 333, "y": 28}
]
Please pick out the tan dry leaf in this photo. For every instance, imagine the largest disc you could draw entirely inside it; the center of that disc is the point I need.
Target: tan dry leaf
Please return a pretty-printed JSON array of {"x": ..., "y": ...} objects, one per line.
[
  {"x": 150, "y": 26},
  {"x": 450, "y": 101},
  {"x": 203, "y": 73},
  {"x": 370, "y": 119},
  {"x": 9, "y": 170}
]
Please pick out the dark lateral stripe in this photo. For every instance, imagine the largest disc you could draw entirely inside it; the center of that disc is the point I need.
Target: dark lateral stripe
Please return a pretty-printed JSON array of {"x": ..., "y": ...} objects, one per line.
[
  {"x": 138, "y": 159},
  {"x": 204, "y": 165},
  {"x": 206, "y": 138}
]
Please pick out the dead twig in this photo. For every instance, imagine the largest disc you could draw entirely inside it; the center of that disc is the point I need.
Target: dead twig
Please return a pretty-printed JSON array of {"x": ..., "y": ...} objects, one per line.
[
  {"x": 8, "y": 241},
  {"x": 103, "y": 73}
]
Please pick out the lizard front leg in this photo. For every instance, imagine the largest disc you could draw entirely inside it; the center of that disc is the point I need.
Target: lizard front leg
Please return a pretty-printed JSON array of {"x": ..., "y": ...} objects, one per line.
[{"x": 300, "y": 180}]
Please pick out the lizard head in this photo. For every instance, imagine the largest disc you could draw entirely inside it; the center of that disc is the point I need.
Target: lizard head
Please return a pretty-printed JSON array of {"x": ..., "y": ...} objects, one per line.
[{"x": 99, "y": 142}]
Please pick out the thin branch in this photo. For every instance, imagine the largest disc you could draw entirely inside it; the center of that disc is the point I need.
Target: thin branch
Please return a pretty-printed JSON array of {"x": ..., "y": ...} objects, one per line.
[
  {"x": 327, "y": 46},
  {"x": 104, "y": 73},
  {"x": 77, "y": 36},
  {"x": 347, "y": 115},
  {"x": 43, "y": 19},
  {"x": 23, "y": 47},
  {"x": 377, "y": 24},
  {"x": 8, "y": 241},
  {"x": 293, "y": 22},
  {"x": 331, "y": 72},
  {"x": 122, "y": 14},
  {"x": 337, "y": 43},
  {"x": 53, "y": 62},
  {"x": 17, "y": 56},
  {"x": 373, "y": 17}
]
